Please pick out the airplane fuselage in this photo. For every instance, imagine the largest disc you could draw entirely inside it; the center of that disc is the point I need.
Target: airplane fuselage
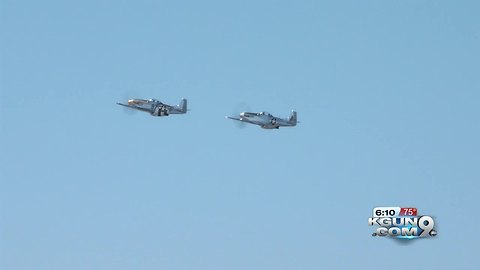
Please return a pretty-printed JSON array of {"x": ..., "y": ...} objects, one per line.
[
  {"x": 265, "y": 120},
  {"x": 155, "y": 107}
]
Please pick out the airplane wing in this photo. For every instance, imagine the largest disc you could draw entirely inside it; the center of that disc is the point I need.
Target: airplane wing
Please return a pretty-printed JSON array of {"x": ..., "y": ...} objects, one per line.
[{"x": 133, "y": 107}]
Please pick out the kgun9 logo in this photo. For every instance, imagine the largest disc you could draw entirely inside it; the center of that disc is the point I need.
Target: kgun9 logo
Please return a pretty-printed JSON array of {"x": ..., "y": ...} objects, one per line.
[{"x": 399, "y": 222}]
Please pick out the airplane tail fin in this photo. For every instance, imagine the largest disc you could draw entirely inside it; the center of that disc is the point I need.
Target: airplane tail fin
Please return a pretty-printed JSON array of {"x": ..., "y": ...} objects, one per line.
[
  {"x": 293, "y": 118},
  {"x": 183, "y": 105}
]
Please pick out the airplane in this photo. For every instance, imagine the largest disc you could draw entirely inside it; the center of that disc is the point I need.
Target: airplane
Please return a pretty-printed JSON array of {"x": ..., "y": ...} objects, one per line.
[
  {"x": 266, "y": 120},
  {"x": 155, "y": 107}
]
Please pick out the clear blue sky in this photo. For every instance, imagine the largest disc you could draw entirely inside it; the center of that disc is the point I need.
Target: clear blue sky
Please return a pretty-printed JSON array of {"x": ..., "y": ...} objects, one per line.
[{"x": 387, "y": 92}]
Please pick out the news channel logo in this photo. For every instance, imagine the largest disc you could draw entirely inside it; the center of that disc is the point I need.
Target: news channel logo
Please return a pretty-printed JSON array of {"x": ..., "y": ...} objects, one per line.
[{"x": 401, "y": 223}]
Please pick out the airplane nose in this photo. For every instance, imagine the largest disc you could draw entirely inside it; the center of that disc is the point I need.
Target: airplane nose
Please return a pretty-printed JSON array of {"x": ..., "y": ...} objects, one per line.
[{"x": 242, "y": 114}]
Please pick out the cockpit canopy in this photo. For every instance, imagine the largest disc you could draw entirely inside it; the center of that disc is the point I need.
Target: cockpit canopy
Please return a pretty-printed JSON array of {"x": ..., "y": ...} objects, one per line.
[
  {"x": 152, "y": 100},
  {"x": 265, "y": 113}
]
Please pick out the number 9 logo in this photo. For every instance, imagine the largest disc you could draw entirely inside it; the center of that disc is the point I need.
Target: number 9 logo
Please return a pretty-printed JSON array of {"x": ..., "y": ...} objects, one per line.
[{"x": 425, "y": 223}]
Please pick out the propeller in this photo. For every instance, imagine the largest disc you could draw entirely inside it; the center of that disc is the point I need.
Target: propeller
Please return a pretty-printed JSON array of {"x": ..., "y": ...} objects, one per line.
[
  {"x": 239, "y": 108},
  {"x": 129, "y": 94}
]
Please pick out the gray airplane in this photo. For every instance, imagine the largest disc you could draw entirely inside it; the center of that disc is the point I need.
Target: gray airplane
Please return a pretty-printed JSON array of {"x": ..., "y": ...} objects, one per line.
[
  {"x": 266, "y": 120},
  {"x": 155, "y": 107}
]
